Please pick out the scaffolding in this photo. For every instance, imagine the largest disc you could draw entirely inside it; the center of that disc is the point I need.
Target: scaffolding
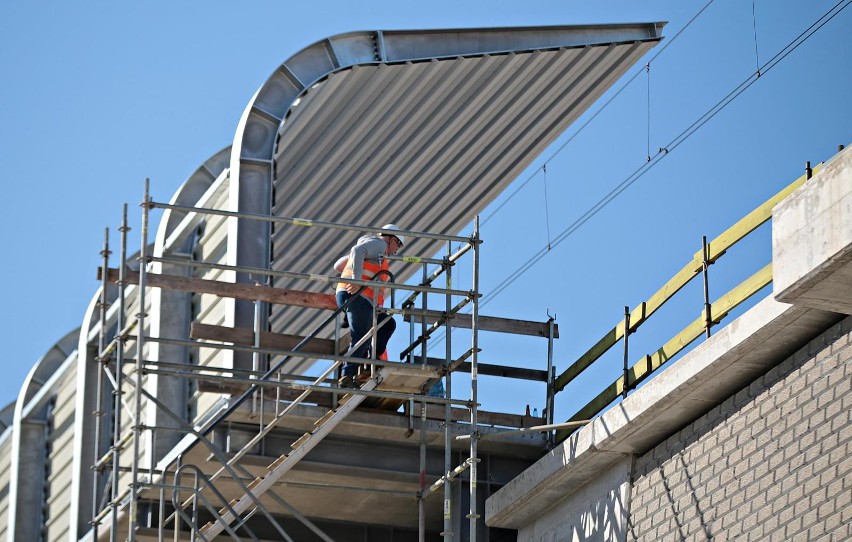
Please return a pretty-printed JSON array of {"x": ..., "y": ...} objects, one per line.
[{"x": 199, "y": 488}]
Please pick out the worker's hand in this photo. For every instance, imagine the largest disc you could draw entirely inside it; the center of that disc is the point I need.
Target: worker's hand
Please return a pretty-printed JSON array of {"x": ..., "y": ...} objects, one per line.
[{"x": 351, "y": 288}]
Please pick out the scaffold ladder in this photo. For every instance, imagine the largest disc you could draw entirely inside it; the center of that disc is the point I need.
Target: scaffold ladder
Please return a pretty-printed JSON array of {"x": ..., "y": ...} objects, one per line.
[{"x": 278, "y": 468}]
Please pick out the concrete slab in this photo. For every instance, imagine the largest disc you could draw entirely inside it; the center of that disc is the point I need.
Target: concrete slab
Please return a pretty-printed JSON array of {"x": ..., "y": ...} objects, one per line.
[
  {"x": 736, "y": 355},
  {"x": 812, "y": 240},
  {"x": 812, "y": 267},
  {"x": 371, "y": 458}
]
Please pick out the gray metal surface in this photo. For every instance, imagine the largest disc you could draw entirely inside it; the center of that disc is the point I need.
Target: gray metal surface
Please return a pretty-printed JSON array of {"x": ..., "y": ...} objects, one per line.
[{"x": 420, "y": 128}]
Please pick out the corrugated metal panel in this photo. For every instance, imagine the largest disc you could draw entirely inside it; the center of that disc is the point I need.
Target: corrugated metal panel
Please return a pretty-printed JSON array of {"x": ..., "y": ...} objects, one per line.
[
  {"x": 60, "y": 460},
  {"x": 5, "y": 473},
  {"x": 426, "y": 144}
]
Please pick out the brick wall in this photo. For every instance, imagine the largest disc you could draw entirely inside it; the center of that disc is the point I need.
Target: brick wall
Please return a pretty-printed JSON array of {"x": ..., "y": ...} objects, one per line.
[
  {"x": 773, "y": 462},
  {"x": 597, "y": 512}
]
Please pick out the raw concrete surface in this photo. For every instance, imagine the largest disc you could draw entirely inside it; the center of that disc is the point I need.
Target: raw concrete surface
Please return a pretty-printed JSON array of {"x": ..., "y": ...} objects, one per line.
[
  {"x": 812, "y": 240},
  {"x": 812, "y": 267}
]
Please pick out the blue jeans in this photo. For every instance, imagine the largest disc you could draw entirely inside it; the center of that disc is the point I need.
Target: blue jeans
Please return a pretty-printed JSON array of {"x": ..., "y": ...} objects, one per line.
[{"x": 360, "y": 315}]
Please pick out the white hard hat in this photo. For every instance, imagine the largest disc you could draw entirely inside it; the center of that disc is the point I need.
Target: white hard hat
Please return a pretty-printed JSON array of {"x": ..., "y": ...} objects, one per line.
[{"x": 389, "y": 228}]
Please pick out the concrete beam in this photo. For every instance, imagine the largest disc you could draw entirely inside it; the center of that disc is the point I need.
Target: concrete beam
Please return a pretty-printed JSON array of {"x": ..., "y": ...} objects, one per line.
[
  {"x": 812, "y": 263},
  {"x": 737, "y": 354},
  {"x": 812, "y": 240}
]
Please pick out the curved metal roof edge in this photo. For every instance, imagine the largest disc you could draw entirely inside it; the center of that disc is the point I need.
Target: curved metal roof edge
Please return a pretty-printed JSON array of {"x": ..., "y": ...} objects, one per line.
[
  {"x": 190, "y": 191},
  {"x": 7, "y": 416},
  {"x": 44, "y": 368},
  {"x": 252, "y": 154}
]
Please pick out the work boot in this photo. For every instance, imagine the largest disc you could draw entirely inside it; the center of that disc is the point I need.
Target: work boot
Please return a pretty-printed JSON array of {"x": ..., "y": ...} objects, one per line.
[{"x": 347, "y": 381}]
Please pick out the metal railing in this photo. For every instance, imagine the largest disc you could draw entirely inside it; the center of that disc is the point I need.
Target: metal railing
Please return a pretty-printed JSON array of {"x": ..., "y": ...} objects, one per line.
[
  {"x": 712, "y": 313},
  {"x": 127, "y": 375}
]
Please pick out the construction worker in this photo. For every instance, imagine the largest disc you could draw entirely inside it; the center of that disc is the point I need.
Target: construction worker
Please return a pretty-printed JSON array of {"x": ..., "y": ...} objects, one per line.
[{"x": 364, "y": 261}]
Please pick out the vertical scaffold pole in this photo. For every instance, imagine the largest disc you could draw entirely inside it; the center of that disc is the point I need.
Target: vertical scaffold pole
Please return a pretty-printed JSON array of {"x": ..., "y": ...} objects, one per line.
[
  {"x": 626, "y": 386},
  {"x": 448, "y": 393},
  {"x": 421, "y": 496},
  {"x": 474, "y": 516},
  {"x": 708, "y": 317},
  {"x": 140, "y": 350},
  {"x": 550, "y": 376},
  {"x": 101, "y": 365},
  {"x": 257, "y": 399},
  {"x": 424, "y": 304},
  {"x": 119, "y": 380}
]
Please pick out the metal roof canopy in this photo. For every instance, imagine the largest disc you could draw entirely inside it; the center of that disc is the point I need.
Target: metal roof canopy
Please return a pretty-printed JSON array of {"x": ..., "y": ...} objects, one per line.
[{"x": 423, "y": 128}]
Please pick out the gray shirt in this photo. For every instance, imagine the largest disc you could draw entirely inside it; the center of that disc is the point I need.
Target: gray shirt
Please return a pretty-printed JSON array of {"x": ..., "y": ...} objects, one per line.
[{"x": 369, "y": 247}]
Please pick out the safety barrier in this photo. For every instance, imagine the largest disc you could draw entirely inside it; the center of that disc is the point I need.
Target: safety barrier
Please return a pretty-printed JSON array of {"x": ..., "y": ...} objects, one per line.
[{"x": 712, "y": 313}]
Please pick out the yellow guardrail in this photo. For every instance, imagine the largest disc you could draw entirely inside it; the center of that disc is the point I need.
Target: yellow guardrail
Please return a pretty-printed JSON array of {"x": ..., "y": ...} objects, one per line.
[{"x": 719, "y": 309}]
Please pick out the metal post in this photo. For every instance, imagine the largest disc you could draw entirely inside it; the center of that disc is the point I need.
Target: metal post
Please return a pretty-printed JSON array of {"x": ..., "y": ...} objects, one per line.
[
  {"x": 101, "y": 366},
  {"x": 374, "y": 339},
  {"x": 119, "y": 376},
  {"x": 424, "y": 305},
  {"x": 626, "y": 349},
  {"x": 708, "y": 318},
  {"x": 257, "y": 400},
  {"x": 448, "y": 388},
  {"x": 421, "y": 495},
  {"x": 473, "y": 383},
  {"x": 550, "y": 377},
  {"x": 140, "y": 352}
]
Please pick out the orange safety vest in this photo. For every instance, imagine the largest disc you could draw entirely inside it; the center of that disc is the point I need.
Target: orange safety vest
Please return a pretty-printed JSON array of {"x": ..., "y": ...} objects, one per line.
[{"x": 372, "y": 269}]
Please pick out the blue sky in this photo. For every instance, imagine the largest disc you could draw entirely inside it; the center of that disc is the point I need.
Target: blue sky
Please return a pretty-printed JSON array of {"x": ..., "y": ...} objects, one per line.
[{"x": 97, "y": 96}]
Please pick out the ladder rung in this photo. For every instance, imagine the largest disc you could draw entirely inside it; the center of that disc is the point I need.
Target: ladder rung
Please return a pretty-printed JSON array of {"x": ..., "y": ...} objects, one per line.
[
  {"x": 325, "y": 418},
  {"x": 301, "y": 440},
  {"x": 253, "y": 484},
  {"x": 277, "y": 462}
]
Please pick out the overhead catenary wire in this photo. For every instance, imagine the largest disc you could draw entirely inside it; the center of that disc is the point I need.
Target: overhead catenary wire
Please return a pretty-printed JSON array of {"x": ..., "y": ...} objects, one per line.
[
  {"x": 670, "y": 146},
  {"x": 595, "y": 114},
  {"x": 648, "y": 112},
  {"x": 546, "y": 213},
  {"x": 754, "y": 28},
  {"x": 579, "y": 130}
]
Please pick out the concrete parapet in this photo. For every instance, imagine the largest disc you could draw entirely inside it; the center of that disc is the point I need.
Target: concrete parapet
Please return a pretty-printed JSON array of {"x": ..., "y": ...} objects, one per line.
[
  {"x": 812, "y": 240},
  {"x": 729, "y": 376},
  {"x": 731, "y": 359}
]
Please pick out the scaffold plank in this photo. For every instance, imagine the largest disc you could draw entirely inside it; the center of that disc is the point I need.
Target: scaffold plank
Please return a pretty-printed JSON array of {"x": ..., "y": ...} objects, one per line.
[
  {"x": 268, "y": 339},
  {"x": 488, "y": 323},
  {"x": 250, "y": 292}
]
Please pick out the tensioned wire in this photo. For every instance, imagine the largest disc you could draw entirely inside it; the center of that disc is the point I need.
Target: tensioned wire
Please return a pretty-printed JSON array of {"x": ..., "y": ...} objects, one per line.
[
  {"x": 664, "y": 151},
  {"x": 594, "y": 116},
  {"x": 534, "y": 259}
]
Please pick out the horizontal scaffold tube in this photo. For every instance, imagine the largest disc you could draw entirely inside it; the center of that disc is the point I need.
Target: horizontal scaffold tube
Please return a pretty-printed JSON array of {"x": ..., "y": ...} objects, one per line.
[
  {"x": 251, "y": 292},
  {"x": 306, "y": 222},
  {"x": 531, "y": 429},
  {"x": 450, "y": 476}
]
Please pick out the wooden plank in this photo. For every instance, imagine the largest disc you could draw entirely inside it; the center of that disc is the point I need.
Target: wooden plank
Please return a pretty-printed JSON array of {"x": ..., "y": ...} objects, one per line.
[
  {"x": 251, "y": 292},
  {"x": 268, "y": 339},
  {"x": 717, "y": 248},
  {"x": 484, "y": 417},
  {"x": 506, "y": 372},
  {"x": 490, "y": 369},
  {"x": 642, "y": 369},
  {"x": 317, "y": 397},
  {"x": 753, "y": 220},
  {"x": 433, "y": 412},
  {"x": 488, "y": 323}
]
